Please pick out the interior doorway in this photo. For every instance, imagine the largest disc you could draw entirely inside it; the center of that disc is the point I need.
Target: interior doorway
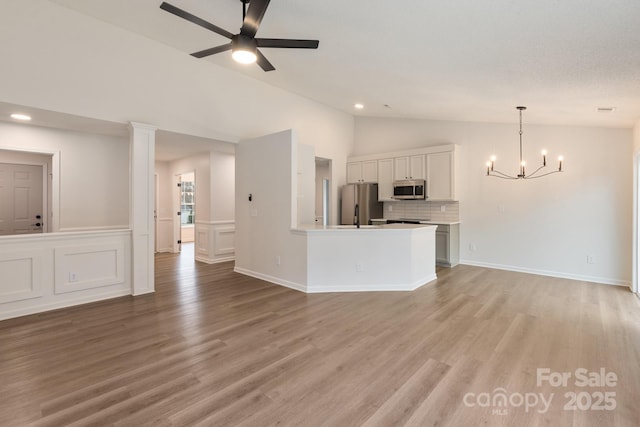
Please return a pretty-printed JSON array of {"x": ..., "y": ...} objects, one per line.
[
  {"x": 26, "y": 183},
  {"x": 184, "y": 226},
  {"x": 21, "y": 199},
  {"x": 635, "y": 262},
  {"x": 187, "y": 207},
  {"x": 323, "y": 191}
]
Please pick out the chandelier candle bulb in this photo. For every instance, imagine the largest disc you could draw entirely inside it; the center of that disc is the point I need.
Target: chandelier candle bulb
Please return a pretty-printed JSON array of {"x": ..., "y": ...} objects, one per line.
[
  {"x": 544, "y": 157},
  {"x": 560, "y": 159}
]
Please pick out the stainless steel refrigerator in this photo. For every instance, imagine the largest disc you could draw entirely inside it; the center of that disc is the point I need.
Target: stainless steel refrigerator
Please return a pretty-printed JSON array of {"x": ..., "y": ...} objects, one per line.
[{"x": 365, "y": 198}]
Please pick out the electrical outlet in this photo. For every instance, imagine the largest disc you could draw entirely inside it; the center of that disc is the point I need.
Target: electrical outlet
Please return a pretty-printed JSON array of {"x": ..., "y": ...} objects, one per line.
[
  {"x": 390, "y": 208},
  {"x": 501, "y": 208},
  {"x": 73, "y": 277},
  {"x": 358, "y": 267},
  {"x": 278, "y": 260},
  {"x": 472, "y": 247},
  {"x": 443, "y": 208},
  {"x": 590, "y": 259}
]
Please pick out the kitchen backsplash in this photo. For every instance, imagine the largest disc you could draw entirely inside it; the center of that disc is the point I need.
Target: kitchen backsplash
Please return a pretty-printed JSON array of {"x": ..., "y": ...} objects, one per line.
[{"x": 419, "y": 209}]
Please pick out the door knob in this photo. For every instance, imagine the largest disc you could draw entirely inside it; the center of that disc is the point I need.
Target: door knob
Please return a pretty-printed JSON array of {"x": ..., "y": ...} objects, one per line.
[{"x": 37, "y": 224}]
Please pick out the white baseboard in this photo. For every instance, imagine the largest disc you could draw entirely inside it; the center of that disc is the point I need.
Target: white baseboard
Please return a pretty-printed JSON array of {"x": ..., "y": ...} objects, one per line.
[
  {"x": 55, "y": 305},
  {"x": 373, "y": 288},
  {"x": 325, "y": 289},
  {"x": 558, "y": 274},
  {"x": 215, "y": 260},
  {"x": 276, "y": 280}
]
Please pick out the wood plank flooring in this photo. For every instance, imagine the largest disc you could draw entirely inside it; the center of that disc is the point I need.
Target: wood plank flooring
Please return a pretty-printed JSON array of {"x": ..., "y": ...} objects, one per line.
[{"x": 215, "y": 348}]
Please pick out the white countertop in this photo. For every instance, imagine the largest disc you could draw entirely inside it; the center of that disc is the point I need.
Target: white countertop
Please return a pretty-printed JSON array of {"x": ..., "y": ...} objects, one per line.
[
  {"x": 433, "y": 222},
  {"x": 342, "y": 228}
]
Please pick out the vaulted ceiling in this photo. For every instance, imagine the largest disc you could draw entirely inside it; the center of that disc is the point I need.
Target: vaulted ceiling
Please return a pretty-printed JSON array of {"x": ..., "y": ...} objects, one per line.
[{"x": 463, "y": 60}]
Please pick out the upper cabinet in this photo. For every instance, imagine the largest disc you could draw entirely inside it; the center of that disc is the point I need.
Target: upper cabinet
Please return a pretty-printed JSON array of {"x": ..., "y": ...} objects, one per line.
[
  {"x": 385, "y": 180},
  {"x": 365, "y": 171},
  {"x": 409, "y": 167},
  {"x": 435, "y": 164},
  {"x": 441, "y": 176},
  {"x": 354, "y": 172}
]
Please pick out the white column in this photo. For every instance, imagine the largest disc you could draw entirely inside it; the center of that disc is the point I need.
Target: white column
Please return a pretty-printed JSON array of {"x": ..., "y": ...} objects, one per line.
[{"x": 142, "y": 166}]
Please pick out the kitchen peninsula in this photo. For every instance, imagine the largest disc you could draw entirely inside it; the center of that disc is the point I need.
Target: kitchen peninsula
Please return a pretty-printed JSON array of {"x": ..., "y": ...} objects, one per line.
[
  {"x": 275, "y": 199},
  {"x": 394, "y": 257}
]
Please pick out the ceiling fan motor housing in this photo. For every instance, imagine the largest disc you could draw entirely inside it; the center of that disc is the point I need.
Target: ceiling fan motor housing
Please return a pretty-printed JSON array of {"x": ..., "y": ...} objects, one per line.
[{"x": 242, "y": 42}]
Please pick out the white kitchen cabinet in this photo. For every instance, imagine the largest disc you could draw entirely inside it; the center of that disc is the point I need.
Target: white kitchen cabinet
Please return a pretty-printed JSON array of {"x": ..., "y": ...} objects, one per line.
[
  {"x": 435, "y": 164},
  {"x": 365, "y": 171},
  {"x": 385, "y": 180},
  {"x": 401, "y": 168},
  {"x": 354, "y": 172},
  {"x": 448, "y": 245},
  {"x": 417, "y": 169},
  {"x": 440, "y": 176},
  {"x": 409, "y": 167},
  {"x": 370, "y": 171}
]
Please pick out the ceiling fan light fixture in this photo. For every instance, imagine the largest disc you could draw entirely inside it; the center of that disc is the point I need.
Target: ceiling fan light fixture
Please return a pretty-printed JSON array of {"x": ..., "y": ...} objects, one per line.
[{"x": 244, "y": 49}]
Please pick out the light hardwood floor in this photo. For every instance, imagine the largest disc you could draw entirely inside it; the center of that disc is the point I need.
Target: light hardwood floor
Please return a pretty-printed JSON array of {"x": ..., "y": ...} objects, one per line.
[{"x": 215, "y": 348}]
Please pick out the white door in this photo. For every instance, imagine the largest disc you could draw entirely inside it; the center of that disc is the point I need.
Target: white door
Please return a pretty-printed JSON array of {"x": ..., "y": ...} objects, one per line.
[{"x": 21, "y": 203}]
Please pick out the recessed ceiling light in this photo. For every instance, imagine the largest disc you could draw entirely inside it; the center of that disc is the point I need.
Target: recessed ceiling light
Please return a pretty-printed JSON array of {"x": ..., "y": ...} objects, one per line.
[
  {"x": 606, "y": 109},
  {"x": 18, "y": 116},
  {"x": 358, "y": 106}
]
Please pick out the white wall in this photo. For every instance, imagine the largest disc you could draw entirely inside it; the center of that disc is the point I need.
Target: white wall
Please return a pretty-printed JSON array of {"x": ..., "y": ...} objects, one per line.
[
  {"x": 94, "y": 173},
  {"x": 164, "y": 208},
  {"x": 306, "y": 189},
  {"x": 223, "y": 166},
  {"x": 547, "y": 226},
  {"x": 96, "y": 70},
  {"x": 266, "y": 168}
]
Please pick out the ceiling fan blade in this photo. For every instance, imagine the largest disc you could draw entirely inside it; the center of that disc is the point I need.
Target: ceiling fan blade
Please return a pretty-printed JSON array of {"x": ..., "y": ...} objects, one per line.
[
  {"x": 288, "y": 43},
  {"x": 254, "y": 16},
  {"x": 192, "y": 18},
  {"x": 212, "y": 51},
  {"x": 264, "y": 62}
]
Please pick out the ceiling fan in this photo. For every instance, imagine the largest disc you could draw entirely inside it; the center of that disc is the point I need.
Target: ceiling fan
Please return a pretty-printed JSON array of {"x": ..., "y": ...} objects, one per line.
[{"x": 244, "y": 45}]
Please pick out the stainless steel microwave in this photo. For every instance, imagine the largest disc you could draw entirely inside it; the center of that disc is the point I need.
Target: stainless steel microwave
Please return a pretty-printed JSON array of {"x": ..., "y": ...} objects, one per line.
[{"x": 410, "y": 189}]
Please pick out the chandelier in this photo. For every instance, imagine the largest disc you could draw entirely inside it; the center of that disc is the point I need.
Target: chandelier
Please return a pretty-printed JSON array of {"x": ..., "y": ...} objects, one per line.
[{"x": 538, "y": 173}]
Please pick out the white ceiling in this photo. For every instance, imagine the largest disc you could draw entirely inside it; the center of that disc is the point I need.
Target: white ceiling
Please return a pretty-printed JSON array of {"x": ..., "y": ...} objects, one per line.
[{"x": 464, "y": 60}]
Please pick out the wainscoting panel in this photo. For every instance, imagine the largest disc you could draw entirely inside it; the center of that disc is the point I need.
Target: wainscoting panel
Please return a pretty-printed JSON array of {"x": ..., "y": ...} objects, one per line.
[
  {"x": 215, "y": 241},
  {"x": 225, "y": 241},
  {"x": 86, "y": 267},
  {"x": 202, "y": 241},
  {"x": 164, "y": 241},
  {"x": 20, "y": 275},
  {"x": 41, "y": 272}
]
